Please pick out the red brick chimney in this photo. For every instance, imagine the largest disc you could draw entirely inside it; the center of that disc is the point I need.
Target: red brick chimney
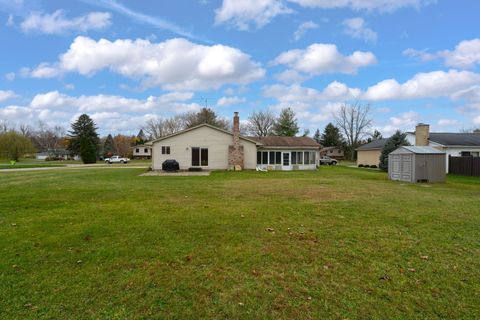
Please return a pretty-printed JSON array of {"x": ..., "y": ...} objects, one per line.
[{"x": 235, "y": 151}]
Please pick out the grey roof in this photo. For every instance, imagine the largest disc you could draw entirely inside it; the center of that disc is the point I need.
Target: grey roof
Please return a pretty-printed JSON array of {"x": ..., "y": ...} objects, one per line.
[
  {"x": 281, "y": 141},
  {"x": 418, "y": 150},
  {"x": 375, "y": 144},
  {"x": 455, "y": 139}
]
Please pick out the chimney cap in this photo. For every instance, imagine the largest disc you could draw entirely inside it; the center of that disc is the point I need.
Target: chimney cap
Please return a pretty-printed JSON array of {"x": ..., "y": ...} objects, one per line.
[
  {"x": 235, "y": 113},
  {"x": 421, "y": 124}
]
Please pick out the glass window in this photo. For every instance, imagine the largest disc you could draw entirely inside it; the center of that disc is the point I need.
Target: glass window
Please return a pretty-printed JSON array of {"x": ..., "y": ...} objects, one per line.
[
  {"x": 137, "y": 150},
  {"x": 259, "y": 157},
  {"x": 271, "y": 159},
  {"x": 145, "y": 150},
  {"x": 300, "y": 157},
  {"x": 278, "y": 158},
  {"x": 195, "y": 157},
  {"x": 204, "y": 157},
  {"x": 286, "y": 159},
  {"x": 307, "y": 157},
  {"x": 264, "y": 157},
  {"x": 312, "y": 158},
  {"x": 294, "y": 157}
]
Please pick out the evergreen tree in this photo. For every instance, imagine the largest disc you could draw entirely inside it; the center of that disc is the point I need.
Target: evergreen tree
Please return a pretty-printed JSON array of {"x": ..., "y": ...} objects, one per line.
[
  {"x": 286, "y": 124},
  {"x": 205, "y": 115},
  {"x": 376, "y": 135},
  {"x": 393, "y": 143},
  {"x": 83, "y": 138},
  {"x": 141, "y": 138},
  {"x": 317, "y": 137},
  {"x": 109, "y": 147},
  {"x": 331, "y": 136}
]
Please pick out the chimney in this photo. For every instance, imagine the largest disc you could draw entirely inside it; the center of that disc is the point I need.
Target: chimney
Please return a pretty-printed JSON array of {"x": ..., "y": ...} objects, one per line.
[
  {"x": 422, "y": 133},
  {"x": 235, "y": 151}
]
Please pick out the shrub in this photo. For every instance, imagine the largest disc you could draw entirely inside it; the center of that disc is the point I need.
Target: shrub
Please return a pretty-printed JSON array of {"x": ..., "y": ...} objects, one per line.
[
  {"x": 360, "y": 165},
  {"x": 373, "y": 166}
]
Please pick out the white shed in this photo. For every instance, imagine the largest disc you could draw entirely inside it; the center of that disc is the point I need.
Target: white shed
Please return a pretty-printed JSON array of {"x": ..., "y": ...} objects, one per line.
[{"x": 417, "y": 164}]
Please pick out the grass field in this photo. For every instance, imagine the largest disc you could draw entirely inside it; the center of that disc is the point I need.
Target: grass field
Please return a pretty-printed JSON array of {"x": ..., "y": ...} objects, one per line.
[
  {"x": 33, "y": 163},
  {"x": 339, "y": 243}
]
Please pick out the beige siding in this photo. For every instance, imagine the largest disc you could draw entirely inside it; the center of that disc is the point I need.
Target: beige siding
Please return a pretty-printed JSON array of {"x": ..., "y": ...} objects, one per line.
[
  {"x": 216, "y": 141},
  {"x": 368, "y": 157}
]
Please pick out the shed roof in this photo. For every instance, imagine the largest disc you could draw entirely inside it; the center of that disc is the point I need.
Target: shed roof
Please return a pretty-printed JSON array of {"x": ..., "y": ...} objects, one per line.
[
  {"x": 281, "y": 141},
  {"x": 418, "y": 150}
]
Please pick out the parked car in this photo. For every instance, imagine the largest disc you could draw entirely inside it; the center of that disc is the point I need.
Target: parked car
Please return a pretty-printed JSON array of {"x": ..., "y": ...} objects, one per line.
[
  {"x": 327, "y": 160},
  {"x": 116, "y": 159}
]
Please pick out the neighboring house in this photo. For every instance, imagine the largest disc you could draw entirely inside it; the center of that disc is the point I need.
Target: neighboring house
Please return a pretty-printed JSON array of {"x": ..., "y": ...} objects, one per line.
[
  {"x": 142, "y": 152},
  {"x": 332, "y": 152},
  {"x": 209, "y": 147},
  {"x": 453, "y": 144},
  {"x": 56, "y": 154},
  {"x": 369, "y": 154}
]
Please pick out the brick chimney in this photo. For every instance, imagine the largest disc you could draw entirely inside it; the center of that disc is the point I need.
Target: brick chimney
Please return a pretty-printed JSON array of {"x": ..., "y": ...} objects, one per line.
[
  {"x": 422, "y": 133},
  {"x": 235, "y": 151}
]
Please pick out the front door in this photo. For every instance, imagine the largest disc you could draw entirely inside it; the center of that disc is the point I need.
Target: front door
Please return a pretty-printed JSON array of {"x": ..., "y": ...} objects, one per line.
[{"x": 286, "y": 161}]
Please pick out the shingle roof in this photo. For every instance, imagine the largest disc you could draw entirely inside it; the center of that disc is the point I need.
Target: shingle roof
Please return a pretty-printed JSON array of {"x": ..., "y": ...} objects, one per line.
[
  {"x": 280, "y": 141},
  {"x": 375, "y": 144},
  {"x": 420, "y": 150},
  {"x": 456, "y": 139}
]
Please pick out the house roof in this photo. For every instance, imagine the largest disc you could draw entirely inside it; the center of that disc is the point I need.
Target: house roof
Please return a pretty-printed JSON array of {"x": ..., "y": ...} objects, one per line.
[
  {"x": 281, "y": 141},
  {"x": 150, "y": 143},
  {"x": 329, "y": 148},
  {"x": 418, "y": 150},
  {"x": 455, "y": 139},
  {"x": 374, "y": 145}
]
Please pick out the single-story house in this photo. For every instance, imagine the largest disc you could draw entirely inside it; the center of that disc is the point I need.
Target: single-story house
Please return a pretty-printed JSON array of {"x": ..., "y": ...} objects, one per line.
[
  {"x": 333, "y": 152},
  {"x": 369, "y": 153},
  {"x": 452, "y": 143},
  {"x": 209, "y": 147},
  {"x": 62, "y": 154},
  {"x": 142, "y": 151}
]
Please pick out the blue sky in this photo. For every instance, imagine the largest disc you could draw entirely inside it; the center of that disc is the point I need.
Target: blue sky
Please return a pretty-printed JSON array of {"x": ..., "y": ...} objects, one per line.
[{"x": 123, "y": 62}]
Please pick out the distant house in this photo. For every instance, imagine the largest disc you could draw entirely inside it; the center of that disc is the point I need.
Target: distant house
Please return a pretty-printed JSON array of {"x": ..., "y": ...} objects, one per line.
[
  {"x": 142, "y": 152},
  {"x": 333, "y": 152},
  {"x": 209, "y": 147},
  {"x": 56, "y": 154},
  {"x": 453, "y": 144}
]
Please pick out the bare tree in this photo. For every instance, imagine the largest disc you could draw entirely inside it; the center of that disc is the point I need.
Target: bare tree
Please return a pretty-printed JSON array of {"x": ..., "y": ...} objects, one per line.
[
  {"x": 4, "y": 126},
  {"x": 48, "y": 138},
  {"x": 260, "y": 124},
  {"x": 157, "y": 128},
  {"x": 354, "y": 120},
  {"x": 25, "y": 130}
]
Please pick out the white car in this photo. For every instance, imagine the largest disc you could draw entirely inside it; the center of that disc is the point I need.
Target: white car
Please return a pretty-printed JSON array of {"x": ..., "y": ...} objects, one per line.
[
  {"x": 327, "y": 160},
  {"x": 116, "y": 159}
]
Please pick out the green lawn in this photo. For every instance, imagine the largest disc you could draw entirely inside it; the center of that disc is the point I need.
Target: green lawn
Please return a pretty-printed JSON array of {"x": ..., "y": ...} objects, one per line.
[
  {"x": 339, "y": 243},
  {"x": 33, "y": 163}
]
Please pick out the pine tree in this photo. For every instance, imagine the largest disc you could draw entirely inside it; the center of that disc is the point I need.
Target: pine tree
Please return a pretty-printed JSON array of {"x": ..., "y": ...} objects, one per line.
[
  {"x": 286, "y": 124},
  {"x": 141, "y": 138},
  {"x": 83, "y": 138},
  {"x": 331, "y": 136},
  {"x": 317, "y": 137},
  {"x": 109, "y": 147},
  {"x": 376, "y": 135},
  {"x": 393, "y": 143}
]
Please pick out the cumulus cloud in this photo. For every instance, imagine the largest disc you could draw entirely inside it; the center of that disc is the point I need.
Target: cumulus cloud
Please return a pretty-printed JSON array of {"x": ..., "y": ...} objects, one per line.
[
  {"x": 321, "y": 58},
  {"x": 424, "y": 85},
  {"x": 357, "y": 29},
  {"x": 466, "y": 54},
  {"x": 335, "y": 91},
  {"x": 228, "y": 101},
  {"x": 58, "y": 23},
  {"x": 6, "y": 95},
  {"x": 175, "y": 64},
  {"x": 243, "y": 14},
  {"x": 303, "y": 28}
]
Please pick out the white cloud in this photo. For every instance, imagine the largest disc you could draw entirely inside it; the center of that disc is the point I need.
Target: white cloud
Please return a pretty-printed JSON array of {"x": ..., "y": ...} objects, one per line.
[
  {"x": 10, "y": 21},
  {"x": 228, "y": 101},
  {"x": 447, "y": 122},
  {"x": 335, "y": 91},
  {"x": 175, "y": 64},
  {"x": 476, "y": 120},
  {"x": 357, "y": 29},
  {"x": 403, "y": 122},
  {"x": 290, "y": 76},
  {"x": 321, "y": 58},
  {"x": 367, "y": 5},
  {"x": 10, "y": 76},
  {"x": 466, "y": 54},
  {"x": 303, "y": 28},
  {"x": 245, "y": 13},
  {"x": 6, "y": 95},
  {"x": 423, "y": 85},
  {"x": 58, "y": 23}
]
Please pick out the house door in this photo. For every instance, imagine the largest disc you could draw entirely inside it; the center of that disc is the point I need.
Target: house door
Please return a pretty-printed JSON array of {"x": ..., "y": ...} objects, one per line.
[{"x": 286, "y": 161}]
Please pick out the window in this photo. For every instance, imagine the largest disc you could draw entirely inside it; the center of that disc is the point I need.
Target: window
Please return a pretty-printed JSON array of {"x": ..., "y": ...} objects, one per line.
[
  {"x": 271, "y": 159},
  {"x": 307, "y": 157},
  {"x": 264, "y": 157},
  {"x": 259, "y": 157},
  {"x": 165, "y": 150},
  {"x": 278, "y": 158},
  {"x": 294, "y": 157},
  {"x": 300, "y": 157},
  {"x": 199, "y": 157},
  {"x": 137, "y": 150},
  {"x": 312, "y": 158},
  {"x": 146, "y": 150}
]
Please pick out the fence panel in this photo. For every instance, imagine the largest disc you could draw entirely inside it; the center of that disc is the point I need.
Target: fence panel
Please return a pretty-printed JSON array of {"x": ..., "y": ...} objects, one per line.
[{"x": 466, "y": 166}]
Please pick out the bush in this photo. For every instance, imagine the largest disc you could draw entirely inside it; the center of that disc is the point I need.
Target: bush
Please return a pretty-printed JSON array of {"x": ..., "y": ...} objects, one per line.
[
  {"x": 373, "y": 166},
  {"x": 360, "y": 165}
]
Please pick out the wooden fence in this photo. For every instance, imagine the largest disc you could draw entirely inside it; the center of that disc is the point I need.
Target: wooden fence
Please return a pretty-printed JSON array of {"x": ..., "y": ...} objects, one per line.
[{"x": 467, "y": 166}]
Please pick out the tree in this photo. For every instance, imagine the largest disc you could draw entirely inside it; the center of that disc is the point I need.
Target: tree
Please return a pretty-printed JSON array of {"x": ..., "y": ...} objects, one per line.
[
  {"x": 317, "y": 137},
  {"x": 260, "y": 124},
  {"x": 353, "y": 120},
  {"x": 140, "y": 138},
  {"x": 394, "y": 142},
  {"x": 376, "y": 135},
  {"x": 48, "y": 138},
  {"x": 331, "y": 136},
  {"x": 286, "y": 123},
  {"x": 109, "y": 147},
  {"x": 205, "y": 115},
  {"x": 123, "y": 144},
  {"x": 14, "y": 145},
  {"x": 158, "y": 127},
  {"x": 83, "y": 138}
]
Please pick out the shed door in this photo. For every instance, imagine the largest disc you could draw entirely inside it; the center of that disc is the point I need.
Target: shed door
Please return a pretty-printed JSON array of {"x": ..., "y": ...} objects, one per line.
[{"x": 406, "y": 167}]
